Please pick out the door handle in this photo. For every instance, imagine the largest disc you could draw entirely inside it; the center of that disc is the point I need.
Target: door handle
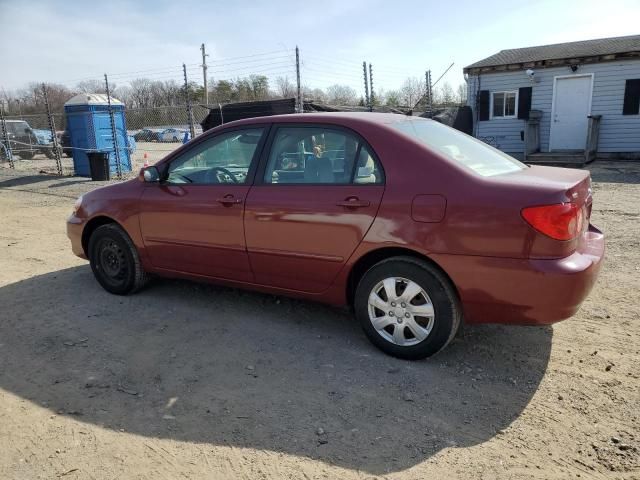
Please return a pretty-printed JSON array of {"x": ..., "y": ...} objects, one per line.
[
  {"x": 229, "y": 200},
  {"x": 354, "y": 202}
]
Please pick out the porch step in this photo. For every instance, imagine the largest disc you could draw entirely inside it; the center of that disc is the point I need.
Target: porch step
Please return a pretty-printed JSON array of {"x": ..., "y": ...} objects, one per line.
[{"x": 557, "y": 159}]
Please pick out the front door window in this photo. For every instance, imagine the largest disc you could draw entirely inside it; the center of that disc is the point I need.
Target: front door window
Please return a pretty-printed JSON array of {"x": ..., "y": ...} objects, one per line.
[{"x": 224, "y": 159}]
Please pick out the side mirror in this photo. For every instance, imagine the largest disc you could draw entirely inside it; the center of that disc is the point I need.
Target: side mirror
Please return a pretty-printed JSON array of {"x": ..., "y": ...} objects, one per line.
[
  {"x": 151, "y": 175},
  {"x": 27, "y": 131}
]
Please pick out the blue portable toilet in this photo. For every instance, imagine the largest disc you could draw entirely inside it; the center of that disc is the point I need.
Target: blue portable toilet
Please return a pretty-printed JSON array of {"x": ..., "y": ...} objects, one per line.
[{"x": 89, "y": 127}]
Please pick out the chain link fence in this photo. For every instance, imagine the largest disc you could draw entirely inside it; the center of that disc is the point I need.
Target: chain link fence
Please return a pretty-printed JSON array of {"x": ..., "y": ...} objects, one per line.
[{"x": 149, "y": 134}]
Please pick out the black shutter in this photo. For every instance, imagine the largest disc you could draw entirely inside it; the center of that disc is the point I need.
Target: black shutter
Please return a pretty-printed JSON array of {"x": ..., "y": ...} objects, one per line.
[
  {"x": 483, "y": 103},
  {"x": 524, "y": 102},
  {"x": 631, "y": 104}
]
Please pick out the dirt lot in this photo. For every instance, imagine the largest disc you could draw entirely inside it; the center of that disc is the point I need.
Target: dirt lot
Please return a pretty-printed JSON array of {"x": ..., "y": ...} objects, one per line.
[{"x": 196, "y": 381}]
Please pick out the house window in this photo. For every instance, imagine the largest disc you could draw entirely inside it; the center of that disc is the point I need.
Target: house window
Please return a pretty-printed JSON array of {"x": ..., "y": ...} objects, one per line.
[
  {"x": 503, "y": 104},
  {"x": 631, "y": 105}
]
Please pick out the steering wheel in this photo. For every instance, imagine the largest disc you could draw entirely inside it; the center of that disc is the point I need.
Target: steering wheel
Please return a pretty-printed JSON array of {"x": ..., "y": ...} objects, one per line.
[{"x": 218, "y": 171}]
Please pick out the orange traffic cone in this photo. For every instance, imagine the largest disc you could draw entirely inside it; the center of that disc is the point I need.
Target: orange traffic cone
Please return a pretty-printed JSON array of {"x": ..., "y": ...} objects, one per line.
[{"x": 146, "y": 162}]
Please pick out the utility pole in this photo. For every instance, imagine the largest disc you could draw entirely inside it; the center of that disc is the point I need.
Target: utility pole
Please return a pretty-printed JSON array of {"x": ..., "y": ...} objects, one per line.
[
  {"x": 299, "y": 104},
  {"x": 428, "y": 92},
  {"x": 204, "y": 74},
  {"x": 192, "y": 131},
  {"x": 371, "y": 97},
  {"x": 366, "y": 84}
]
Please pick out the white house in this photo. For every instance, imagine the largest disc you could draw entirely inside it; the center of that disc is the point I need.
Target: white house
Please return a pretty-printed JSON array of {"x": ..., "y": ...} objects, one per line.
[{"x": 560, "y": 101}]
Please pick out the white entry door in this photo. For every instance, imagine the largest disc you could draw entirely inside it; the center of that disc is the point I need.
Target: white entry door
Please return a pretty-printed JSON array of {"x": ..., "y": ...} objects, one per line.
[{"x": 571, "y": 107}]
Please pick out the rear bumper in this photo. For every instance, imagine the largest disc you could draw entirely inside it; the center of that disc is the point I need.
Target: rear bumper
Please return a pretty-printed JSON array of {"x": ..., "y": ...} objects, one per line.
[
  {"x": 525, "y": 291},
  {"x": 74, "y": 232}
]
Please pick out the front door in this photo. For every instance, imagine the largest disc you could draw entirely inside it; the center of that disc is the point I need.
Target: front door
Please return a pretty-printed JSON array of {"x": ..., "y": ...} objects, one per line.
[
  {"x": 570, "y": 112},
  {"x": 312, "y": 205},
  {"x": 192, "y": 221}
]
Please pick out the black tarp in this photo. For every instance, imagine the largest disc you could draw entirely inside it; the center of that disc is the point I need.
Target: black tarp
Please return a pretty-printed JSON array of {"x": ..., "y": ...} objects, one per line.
[
  {"x": 460, "y": 118},
  {"x": 237, "y": 111}
]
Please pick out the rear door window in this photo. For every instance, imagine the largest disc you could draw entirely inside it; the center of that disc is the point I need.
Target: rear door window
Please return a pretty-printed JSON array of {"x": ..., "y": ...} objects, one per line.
[{"x": 320, "y": 155}]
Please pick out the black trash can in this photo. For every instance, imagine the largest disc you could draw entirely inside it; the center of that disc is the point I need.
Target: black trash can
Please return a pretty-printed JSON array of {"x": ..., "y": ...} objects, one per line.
[{"x": 99, "y": 165}]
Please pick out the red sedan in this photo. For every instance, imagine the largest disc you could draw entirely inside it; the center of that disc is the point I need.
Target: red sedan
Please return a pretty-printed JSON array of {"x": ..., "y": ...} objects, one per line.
[{"x": 415, "y": 225}]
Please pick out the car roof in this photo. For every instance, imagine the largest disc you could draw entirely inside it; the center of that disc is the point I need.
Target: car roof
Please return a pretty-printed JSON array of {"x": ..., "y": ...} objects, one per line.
[{"x": 340, "y": 118}]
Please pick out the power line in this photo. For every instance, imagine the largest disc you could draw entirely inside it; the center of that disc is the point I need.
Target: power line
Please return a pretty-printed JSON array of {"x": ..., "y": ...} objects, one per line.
[
  {"x": 332, "y": 60},
  {"x": 98, "y": 77},
  {"x": 311, "y": 59},
  {"x": 154, "y": 70},
  {"x": 251, "y": 67},
  {"x": 250, "y": 56},
  {"x": 281, "y": 57}
]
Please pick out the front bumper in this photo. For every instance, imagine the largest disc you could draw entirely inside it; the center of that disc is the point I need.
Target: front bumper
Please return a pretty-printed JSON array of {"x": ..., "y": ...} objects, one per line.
[
  {"x": 75, "y": 226},
  {"x": 526, "y": 291}
]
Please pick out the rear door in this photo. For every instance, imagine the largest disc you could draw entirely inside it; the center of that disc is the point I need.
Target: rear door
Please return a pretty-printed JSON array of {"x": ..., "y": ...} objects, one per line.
[{"x": 316, "y": 195}]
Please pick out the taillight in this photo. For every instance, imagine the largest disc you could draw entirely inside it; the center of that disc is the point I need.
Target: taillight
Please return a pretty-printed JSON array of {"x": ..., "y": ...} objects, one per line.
[{"x": 561, "y": 221}]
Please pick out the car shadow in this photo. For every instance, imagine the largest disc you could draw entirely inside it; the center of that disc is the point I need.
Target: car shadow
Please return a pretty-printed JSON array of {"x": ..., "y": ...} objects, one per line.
[
  {"x": 20, "y": 181},
  {"x": 207, "y": 364},
  {"x": 54, "y": 181}
]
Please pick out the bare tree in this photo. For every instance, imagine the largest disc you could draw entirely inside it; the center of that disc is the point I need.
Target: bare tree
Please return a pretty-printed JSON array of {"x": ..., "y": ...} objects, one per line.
[
  {"x": 412, "y": 91},
  {"x": 141, "y": 92},
  {"x": 392, "y": 98},
  {"x": 284, "y": 88},
  {"x": 171, "y": 93},
  {"x": 93, "y": 86},
  {"x": 342, "y": 95},
  {"x": 444, "y": 94},
  {"x": 314, "y": 94},
  {"x": 461, "y": 94},
  {"x": 123, "y": 93}
]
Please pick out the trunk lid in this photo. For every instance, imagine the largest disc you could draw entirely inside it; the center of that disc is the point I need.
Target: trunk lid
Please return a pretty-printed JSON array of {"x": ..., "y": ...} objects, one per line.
[{"x": 538, "y": 186}]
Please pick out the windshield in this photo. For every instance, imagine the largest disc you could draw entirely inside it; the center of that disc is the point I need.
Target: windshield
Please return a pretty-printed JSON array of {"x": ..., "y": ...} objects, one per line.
[
  {"x": 459, "y": 147},
  {"x": 17, "y": 128}
]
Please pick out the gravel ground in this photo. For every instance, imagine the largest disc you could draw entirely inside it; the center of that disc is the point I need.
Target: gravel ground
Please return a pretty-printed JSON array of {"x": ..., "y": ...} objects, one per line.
[{"x": 195, "y": 381}]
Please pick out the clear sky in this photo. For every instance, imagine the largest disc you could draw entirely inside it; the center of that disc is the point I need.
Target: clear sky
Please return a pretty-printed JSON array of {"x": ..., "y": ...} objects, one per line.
[{"x": 69, "y": 40}]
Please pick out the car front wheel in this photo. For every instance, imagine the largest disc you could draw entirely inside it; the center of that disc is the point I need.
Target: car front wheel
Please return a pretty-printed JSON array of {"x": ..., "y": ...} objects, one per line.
[
  {"x": 407, "y": 308},
  {"x": 114, "y": 260}
]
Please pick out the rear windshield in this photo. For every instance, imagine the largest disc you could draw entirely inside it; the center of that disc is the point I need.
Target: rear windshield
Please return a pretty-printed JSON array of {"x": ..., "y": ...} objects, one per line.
[{"x": 459, "y": 147}]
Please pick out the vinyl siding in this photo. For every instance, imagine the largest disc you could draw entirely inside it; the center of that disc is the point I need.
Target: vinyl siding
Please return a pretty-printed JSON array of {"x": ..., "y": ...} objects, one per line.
[{"x": 618, "y": 133}]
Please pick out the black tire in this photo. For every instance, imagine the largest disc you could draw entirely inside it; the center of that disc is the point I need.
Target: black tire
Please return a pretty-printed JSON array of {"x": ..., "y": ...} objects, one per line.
[
  {"x": 27, "y": 155},
  {"x": 115, "y": 261},
  {"x": 447, "y": 312}
]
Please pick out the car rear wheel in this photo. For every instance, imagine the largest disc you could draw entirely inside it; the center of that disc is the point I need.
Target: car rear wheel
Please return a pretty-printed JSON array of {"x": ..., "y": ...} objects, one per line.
[
  {"x": 114, "y": 260},
  {"x": 407, "y": 308}
]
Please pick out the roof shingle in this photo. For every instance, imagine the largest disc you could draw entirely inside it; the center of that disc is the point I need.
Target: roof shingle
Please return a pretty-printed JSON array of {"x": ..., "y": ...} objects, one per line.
[{"x": 559, "y": 51}]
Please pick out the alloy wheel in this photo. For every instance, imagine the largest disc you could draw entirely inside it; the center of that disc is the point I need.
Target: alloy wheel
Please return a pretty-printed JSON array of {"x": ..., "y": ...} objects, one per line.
[{"x": 401, "y": 311}]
